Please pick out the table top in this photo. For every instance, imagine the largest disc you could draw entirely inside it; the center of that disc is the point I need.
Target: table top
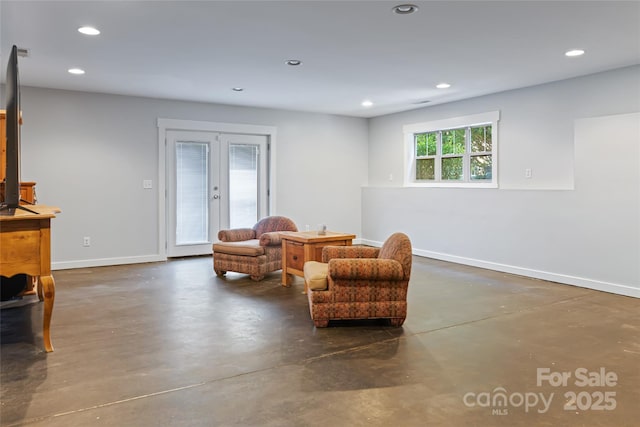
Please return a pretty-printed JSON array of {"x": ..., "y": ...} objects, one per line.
[
  {"x": 43, "y": 212},
  {"x": 313, "y": 236}
]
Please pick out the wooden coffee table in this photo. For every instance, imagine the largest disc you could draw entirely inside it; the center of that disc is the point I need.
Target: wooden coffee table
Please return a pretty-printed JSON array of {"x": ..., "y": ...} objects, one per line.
[{"x": 302, "y": 246}]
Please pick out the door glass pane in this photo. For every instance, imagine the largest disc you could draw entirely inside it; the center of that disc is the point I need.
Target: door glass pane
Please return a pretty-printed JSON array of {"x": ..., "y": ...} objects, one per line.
[
  {"x": 192, "y": 201},
  {"x": 243, "y": 185}
]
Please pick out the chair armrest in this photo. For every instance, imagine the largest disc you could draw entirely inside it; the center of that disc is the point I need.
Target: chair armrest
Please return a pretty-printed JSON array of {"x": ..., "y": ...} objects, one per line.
[
  {"x": 365, "y": 269},
  {"x": 330, "y": 252},
  {"x": 271, "y": 238},
  {"x": 236, "y": 235}
]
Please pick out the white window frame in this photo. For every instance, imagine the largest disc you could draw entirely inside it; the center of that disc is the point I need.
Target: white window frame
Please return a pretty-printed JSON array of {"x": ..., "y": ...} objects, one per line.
[{"x": 410, "y": 130}]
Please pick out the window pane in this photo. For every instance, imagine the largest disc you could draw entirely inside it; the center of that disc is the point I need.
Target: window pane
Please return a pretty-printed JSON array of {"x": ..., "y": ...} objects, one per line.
[
  {"x": 425, "y": 169},
  {"x": 431, "y": 143},
  {"x": 421, "y": 144},
  {"x": 425, "y": 144},
  {"x": 481, "y": 167},
  {"x": 243, "y": 185},
  {"x": 453, "y": 141},
  {"x": 481, "y": 139},
  {"x": 192, "y": 201},
  {"x": 452, "y": 168}
]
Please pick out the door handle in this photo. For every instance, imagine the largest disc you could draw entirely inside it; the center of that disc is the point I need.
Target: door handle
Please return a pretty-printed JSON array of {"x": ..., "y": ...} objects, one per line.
[{"x": 216, "y": 196}]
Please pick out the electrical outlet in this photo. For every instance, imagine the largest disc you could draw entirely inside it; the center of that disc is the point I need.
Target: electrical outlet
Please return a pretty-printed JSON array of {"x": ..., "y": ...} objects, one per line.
[
  {"x": 86, "y": 241},
  {"x": 147, "y": 184}
]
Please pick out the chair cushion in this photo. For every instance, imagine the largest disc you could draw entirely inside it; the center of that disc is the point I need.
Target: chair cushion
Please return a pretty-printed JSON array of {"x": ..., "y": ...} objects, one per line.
[
  {"x": 247, "y": 248},
  {"x": 315, "y": 275}
]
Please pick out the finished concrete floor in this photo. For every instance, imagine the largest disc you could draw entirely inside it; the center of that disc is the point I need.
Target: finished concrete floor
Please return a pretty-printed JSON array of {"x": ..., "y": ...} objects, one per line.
[{"x": 169, "y": 344}]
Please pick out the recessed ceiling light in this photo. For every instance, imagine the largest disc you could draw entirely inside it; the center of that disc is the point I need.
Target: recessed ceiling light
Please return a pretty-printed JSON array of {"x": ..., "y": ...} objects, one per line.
[
  {"x": 76, "y": 71},
  {"x": 366, "y": 103},
  {"x": 293, "y": 62},
  {"x": 89, "y": 31},
  {"x": 405, "y": 9},
  {"x": 443, "y": 85},
  {"x": 237, "y": 89},
  {"x": 574, "y": 52}
]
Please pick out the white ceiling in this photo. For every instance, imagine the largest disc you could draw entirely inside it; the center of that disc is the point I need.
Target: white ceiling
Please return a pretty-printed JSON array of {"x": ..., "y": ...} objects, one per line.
[{"x": 351, "y": 50}]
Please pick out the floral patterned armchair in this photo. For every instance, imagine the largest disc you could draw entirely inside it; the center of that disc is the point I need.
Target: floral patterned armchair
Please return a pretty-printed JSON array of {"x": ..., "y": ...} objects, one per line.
[
  {"x": 356, "y": 282},
  {"x": 254, "y": 251}
]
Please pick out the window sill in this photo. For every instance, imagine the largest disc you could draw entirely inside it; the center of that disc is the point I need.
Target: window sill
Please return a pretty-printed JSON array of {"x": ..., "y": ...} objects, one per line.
[{"x": 451, "y": 184}]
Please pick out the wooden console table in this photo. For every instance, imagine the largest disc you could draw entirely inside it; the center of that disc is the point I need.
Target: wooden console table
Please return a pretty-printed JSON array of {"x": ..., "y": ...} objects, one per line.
[
  {"x": 25, "y": 247},
  {"x": 300, "y": 247}
]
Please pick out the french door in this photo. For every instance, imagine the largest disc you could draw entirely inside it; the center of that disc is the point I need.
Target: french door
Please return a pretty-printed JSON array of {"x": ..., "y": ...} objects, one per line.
[{"x": 214, "y": 180}]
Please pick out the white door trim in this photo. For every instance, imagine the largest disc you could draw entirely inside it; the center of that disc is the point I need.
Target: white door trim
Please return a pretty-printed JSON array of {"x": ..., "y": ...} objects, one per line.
[{"x": 194, "y": 125}]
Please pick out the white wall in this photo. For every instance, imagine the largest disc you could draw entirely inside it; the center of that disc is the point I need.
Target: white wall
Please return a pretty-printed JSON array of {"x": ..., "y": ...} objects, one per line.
[
  {"x": 89, "y": 154},
  {"x": 577, "y": 221}
]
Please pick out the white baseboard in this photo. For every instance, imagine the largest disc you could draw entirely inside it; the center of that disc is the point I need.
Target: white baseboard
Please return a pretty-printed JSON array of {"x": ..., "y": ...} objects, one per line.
[
  {"x": 101, "y": 262},
  {"x": 582, "y": 282}
]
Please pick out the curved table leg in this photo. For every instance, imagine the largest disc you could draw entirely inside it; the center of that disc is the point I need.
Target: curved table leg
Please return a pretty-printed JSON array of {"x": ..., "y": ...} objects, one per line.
[
  {"x": 38, "y": 286},
  {"x": 48, "y": 289}
]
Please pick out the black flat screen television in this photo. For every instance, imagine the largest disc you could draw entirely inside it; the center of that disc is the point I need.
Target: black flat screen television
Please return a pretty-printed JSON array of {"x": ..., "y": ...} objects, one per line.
[{"x": 12, "y": 159}]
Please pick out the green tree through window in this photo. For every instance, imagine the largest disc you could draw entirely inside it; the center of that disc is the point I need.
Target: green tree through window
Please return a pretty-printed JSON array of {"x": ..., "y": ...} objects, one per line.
[{"x": 461, "y": 154}]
